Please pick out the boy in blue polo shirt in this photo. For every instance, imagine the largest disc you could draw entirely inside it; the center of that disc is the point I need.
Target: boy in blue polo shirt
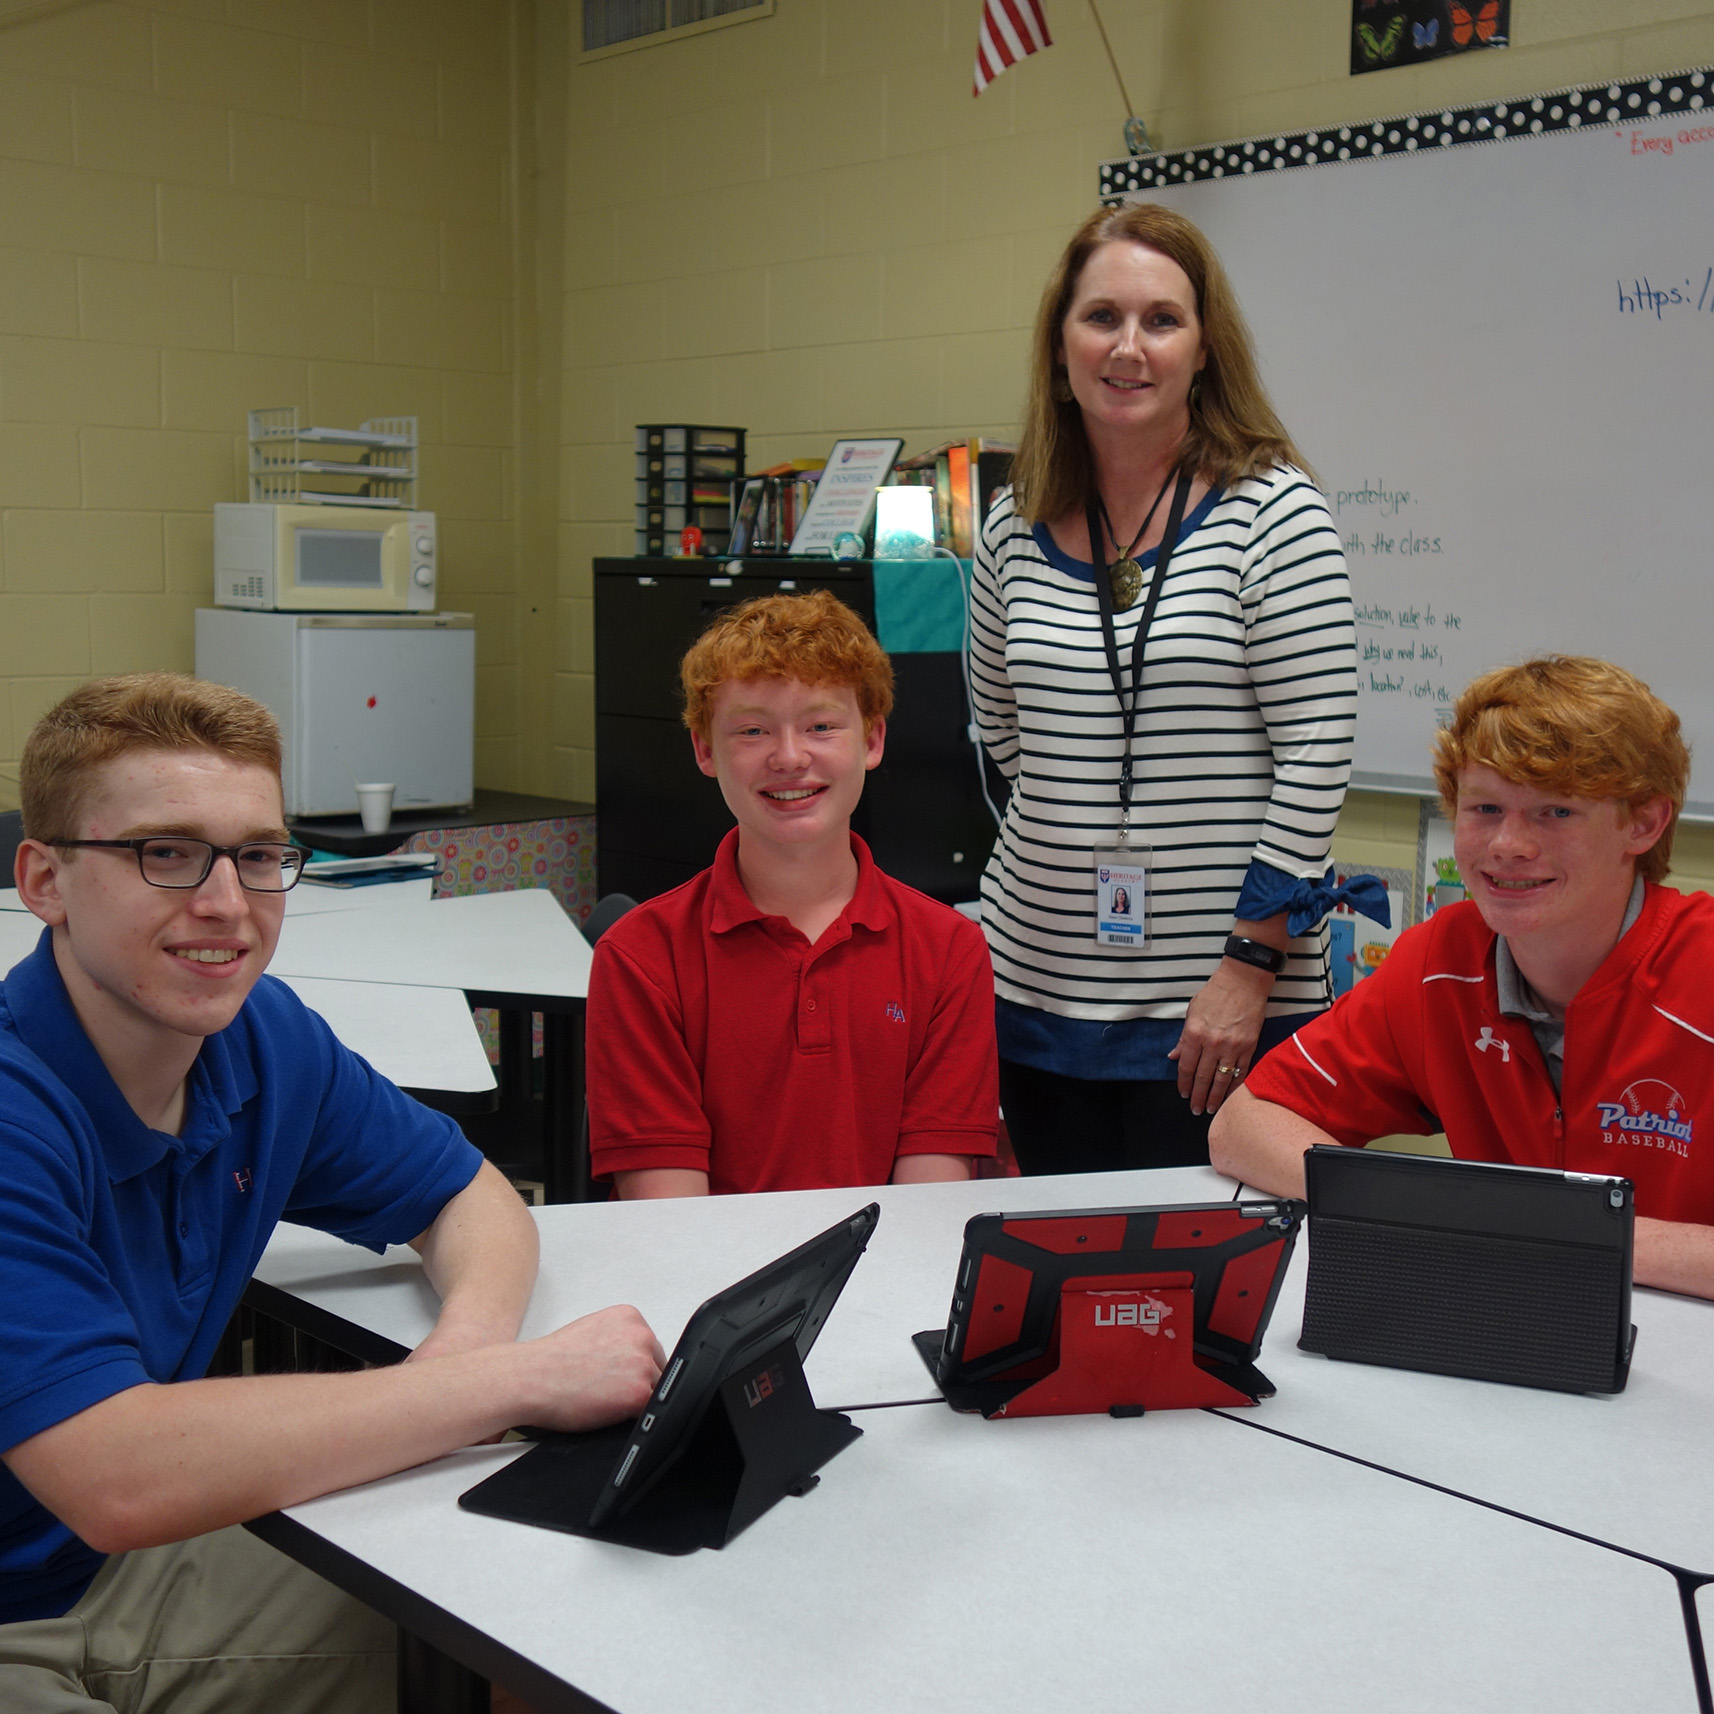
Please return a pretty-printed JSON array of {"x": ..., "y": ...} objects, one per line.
[{"x": 162, "y": 1106}]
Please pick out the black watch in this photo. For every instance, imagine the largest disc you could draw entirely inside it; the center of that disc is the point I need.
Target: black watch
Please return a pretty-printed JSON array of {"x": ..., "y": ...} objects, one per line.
[{"x": 1255, "y": 952}]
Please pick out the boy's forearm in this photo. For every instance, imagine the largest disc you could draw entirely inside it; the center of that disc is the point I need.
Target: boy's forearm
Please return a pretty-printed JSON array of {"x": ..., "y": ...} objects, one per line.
[
  {"x": 1674, "y": 1255},
  {"x": 161, "y": 1463},
  {"x": 480, "y": 1255},
  {"x": 1262, "y": 1144}
]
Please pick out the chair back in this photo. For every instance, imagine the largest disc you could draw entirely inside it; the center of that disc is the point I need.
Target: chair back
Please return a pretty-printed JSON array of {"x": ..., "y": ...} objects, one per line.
[{"x": 607, "y": 912}]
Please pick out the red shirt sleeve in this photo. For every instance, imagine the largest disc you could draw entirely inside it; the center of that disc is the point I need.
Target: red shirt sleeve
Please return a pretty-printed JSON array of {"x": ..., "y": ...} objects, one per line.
[
  {"x": 952, "y": 1092},
  {"x": 645, "y": 1092},
  {"x": 1345, "y": 1070}
]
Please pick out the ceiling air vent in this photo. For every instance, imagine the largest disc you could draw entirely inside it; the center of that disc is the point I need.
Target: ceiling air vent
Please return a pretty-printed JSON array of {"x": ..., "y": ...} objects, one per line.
[{"x": 608, "y": 23}]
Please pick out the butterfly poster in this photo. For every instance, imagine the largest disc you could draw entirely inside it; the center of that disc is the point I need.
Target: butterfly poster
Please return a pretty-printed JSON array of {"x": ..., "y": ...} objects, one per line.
[{"x": 1385, "y": 34}]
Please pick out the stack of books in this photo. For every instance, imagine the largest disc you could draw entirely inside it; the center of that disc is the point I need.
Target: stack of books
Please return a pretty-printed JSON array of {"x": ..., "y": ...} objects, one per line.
[{"x": 965, "y": 475}]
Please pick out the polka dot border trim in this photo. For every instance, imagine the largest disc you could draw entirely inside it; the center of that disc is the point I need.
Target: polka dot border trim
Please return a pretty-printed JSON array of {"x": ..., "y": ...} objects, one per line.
[{"x": 1643, "y": 98}]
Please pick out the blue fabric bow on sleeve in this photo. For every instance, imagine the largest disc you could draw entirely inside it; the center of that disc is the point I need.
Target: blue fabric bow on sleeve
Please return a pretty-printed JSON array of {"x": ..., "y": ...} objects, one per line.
[{"x": 1268, "y": 891}]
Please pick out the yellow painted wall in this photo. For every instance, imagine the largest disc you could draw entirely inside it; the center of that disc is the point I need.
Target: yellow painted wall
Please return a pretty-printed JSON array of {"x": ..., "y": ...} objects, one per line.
[
  {"x": 805, "y": 225},
  {"x": 801, "y": 223},
  {"x": 210, "y": 205}
]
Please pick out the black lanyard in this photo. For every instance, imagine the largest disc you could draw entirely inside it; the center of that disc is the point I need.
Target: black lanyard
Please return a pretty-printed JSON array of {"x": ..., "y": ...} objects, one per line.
[{"x": 1109, "y": 635}]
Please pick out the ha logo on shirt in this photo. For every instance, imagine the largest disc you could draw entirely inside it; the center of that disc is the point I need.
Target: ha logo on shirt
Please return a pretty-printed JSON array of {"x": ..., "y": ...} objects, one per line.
[
  {"x": 895, "y": 1011},
  {"x": 1649, "y": 1114},
  {"x": 241, "y": 1178}
]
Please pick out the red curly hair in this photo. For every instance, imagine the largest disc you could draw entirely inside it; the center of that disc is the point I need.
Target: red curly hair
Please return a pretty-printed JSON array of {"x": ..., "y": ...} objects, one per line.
[
  {"x": 813, "y": 638},
  {"x": 1575, "y": 725}
]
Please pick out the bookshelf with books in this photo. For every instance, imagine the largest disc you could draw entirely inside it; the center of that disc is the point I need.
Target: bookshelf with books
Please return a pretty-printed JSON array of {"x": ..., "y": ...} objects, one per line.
[
  {"x": 685, "y": 476},
  {"x": 965, "y": 475}
]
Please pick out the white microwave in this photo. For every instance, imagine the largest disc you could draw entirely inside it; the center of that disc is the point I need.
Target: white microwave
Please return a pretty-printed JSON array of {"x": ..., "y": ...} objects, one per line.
[{"x": 323, "y": 559}]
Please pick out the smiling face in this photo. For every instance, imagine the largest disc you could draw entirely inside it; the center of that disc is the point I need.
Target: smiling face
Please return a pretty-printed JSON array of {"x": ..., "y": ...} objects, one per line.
[
  {"x": 1131, "y": 342},
  {"x": 790, "y": 758},
  {"x": 144, "y": 962},
  {"x": 1546, "y": 870}
]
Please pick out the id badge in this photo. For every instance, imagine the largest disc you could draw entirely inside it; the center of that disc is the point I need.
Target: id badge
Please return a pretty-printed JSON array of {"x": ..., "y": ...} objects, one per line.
[{"x": 1122, "y": 895}]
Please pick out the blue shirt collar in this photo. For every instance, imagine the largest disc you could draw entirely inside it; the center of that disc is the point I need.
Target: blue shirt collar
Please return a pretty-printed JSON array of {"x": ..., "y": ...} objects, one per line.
[
  {"x": 34, "y": 1001},
  {"x": 1060, "y": 560}
]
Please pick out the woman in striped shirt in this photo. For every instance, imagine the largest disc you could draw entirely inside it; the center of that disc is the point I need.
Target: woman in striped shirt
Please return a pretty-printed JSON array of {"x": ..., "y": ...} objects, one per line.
[{"x": 1122, "y": 1031}]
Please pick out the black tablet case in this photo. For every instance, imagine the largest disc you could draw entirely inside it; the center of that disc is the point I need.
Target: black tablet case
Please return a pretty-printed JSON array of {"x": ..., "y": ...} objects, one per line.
[{"x": 1499, "y": 1273}]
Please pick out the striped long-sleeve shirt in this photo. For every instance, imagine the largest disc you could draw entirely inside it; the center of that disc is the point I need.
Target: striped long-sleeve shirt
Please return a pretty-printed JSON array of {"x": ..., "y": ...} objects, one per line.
[{"x": 1242, "y": 749}]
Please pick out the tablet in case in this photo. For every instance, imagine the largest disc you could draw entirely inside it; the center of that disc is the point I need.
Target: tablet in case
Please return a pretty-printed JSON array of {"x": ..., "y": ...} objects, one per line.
[
  {"x": 729, "y": 1430},
  {"x": 1122, "y": 1310},
  {"x": 1499, "y": 1273}
]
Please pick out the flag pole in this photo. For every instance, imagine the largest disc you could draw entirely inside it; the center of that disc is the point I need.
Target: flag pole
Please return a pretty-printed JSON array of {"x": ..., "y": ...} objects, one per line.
[{"x": 1136, "y": 132}]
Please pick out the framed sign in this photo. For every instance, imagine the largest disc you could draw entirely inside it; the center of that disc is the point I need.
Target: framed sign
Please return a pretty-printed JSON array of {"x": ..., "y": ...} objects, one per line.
[{"x": 845, "y": 494}]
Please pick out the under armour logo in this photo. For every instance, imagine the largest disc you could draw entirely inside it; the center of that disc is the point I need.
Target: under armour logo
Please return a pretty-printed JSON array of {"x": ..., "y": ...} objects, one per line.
[{"x": 1488, "y": 1039}]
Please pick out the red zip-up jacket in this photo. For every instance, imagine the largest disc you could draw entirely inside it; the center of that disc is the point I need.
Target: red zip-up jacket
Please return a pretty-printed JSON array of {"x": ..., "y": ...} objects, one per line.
[{"x": 1422, "y": 1046}]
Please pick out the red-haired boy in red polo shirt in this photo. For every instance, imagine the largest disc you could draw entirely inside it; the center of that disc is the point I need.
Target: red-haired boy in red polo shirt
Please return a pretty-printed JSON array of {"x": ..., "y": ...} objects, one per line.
[
  {"x": 1562, "y": 1016},
  {"x": 791, "y": 1018}
]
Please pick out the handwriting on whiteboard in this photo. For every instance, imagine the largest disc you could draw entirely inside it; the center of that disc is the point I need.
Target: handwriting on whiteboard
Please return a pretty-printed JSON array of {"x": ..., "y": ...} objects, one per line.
[
  {"x": 1643, "y": 298},
  {"x": 1402, "y": 651}
]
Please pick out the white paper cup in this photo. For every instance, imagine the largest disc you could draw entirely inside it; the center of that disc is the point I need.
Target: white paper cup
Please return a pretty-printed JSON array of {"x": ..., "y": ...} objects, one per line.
[{"x": 375, "y": 805}]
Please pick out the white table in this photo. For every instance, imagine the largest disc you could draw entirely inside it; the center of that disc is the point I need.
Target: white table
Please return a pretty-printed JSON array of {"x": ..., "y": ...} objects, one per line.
[
  {"x": 518, "y": 952},
  {"x": 18, "y": 936},
  {"x": 1032, "y": 1564},
  {"x": 946, "y": 1564},
  {"x": 678, "y": 1252},
  {"x": 421, "y": 1038},
  {"x": 1635, "y": 1469},
  {"x": 517, "y": 944},
  {"x": 307, "y": 899}
]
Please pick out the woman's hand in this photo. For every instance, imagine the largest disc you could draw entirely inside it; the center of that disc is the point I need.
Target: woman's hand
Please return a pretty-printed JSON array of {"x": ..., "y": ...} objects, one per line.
[{"x": 1220, "y": 1032}]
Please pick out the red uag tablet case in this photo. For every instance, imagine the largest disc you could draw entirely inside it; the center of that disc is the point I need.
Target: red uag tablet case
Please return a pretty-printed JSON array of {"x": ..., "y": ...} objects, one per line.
[{"x": 1123, "y": 1310}]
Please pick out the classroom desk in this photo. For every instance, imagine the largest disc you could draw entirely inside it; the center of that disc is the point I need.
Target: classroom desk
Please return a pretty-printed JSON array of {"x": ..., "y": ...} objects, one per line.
[
  {"x": 679, "y": 1251},
  {"x": 18, "y": 936},
  {"x": 1635, "y": 1470},
  {"x": 946, "y": 1564},
  {"x": 1425, "y": 1600},
  {"x": 518, "y": 952},
  {"x": 308, "y": 899},
  {"x": 422, "y": 1038}
]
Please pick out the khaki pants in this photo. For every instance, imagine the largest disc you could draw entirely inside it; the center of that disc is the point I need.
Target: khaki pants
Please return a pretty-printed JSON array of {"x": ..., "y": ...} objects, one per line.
[{"x": 221, "y": 1623}]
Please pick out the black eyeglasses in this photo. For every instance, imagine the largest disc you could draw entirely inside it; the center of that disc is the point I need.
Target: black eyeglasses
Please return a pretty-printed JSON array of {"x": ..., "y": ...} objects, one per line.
[{"x": 262, "y": 866}]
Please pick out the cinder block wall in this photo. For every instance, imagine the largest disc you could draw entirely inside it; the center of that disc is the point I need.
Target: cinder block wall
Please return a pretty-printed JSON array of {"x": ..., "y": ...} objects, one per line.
[
  {"x": 806, "y": 225},
  {"x": 211, "y": 205},
  {"x": 802, "y": 223}
]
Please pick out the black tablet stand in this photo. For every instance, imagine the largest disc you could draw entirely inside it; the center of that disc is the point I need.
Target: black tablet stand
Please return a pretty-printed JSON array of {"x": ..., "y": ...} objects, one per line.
[{"x": 760, "y": 1439}]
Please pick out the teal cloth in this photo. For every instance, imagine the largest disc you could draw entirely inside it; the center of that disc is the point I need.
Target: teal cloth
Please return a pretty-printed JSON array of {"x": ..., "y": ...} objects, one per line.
[{"x": 919, "y": 605}]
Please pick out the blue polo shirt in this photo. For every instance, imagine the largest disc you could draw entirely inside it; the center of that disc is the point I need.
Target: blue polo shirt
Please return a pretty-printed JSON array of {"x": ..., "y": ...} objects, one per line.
[{"x": 123, "y": 1251}]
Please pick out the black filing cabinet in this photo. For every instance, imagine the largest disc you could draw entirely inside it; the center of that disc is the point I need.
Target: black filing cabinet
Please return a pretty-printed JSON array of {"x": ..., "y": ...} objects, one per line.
[{"x": 660, "y": 818}]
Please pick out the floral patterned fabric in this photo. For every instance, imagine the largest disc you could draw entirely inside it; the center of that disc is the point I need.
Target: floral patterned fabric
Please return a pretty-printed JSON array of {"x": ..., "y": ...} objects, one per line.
[{"x": 558, "y": 854}]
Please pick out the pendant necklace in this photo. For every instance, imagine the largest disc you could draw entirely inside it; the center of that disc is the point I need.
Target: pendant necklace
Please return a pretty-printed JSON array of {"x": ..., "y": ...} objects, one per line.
[{"x": 1124, "y": 574}]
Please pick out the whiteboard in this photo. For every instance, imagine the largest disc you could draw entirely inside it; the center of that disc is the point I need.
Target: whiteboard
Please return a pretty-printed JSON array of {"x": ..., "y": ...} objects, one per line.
[{"x": 1498, "y": 358}]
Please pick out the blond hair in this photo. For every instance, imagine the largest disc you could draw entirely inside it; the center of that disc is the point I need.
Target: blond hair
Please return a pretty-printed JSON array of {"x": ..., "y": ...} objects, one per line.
[{"x": 110, "y": 717}]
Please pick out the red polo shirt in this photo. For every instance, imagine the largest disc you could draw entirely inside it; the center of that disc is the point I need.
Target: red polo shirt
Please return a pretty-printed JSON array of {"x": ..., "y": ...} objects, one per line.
[
  {"x": 1422, "y": 1045},
  {"x": 720, "y": 1040}
]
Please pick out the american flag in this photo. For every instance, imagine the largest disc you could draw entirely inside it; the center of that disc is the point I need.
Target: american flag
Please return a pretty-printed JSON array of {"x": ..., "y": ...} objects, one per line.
[{"x": 1009, "y": 30}]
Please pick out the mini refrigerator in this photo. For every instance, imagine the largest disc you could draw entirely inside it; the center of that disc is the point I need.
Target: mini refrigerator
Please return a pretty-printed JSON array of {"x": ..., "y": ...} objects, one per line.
[{"x": 359, "y": 697}]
